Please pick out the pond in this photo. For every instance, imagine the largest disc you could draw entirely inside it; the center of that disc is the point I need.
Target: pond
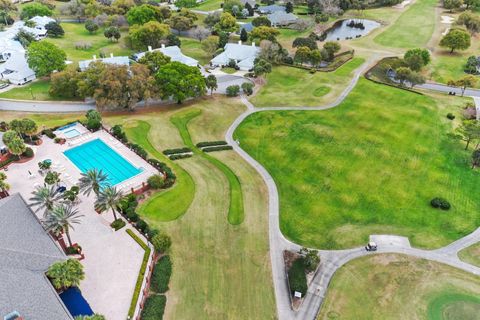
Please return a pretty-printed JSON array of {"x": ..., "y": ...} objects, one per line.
[{"x": 349, "y": 29}]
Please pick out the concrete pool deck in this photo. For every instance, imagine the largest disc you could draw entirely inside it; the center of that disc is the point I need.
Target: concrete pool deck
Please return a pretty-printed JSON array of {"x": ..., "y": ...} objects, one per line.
[{"x": 112, "y": 259}]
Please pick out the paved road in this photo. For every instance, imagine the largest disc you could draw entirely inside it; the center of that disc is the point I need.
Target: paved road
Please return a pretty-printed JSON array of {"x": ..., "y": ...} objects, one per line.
[
  {"x": 332, "y": 260},
  {"x": 44, "y": 106},
  {"x": 444, "y": 88}
]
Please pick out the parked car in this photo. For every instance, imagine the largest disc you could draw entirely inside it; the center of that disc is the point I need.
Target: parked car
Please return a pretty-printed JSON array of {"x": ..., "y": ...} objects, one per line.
[{"x": 371, "y": 246}]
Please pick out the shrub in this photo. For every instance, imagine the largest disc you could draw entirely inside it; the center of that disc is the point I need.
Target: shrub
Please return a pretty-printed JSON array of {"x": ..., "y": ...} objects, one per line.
[
  {"x": 73, "y": 250},
  {"x": 132, "y": 215},
  {"x": 161, "y": 242},
  {"x": 93, "y": 124},
  {"x": 297, "y": 278},
  {"x": 233, "y": 91},
  {"x": 142, "y": 226},
  {"x": 156, "y": 181},
  {"x": 117, "y": 224},
  {"x": 211, "y": 143},
  {"x": 217, "y": 148},
  {"x": 450, "y": 116},
  {"x": 28, "y": 153},
  {"x": 440, "y": 203},
  {"x": 154, "y": 307},
  {"x": 138, "y": 150},
  {"x": 83, "y": 45},
  {"x": 118, "y": 133},
  {"x": 49, "y": 133},
  {"x": 176, "y": 150},
  {"x": 180, "y": 156},
  {"x": 161, "y": 275},
  {"x": 321, "y": 18},
  {"x": 247, "y": 88}
]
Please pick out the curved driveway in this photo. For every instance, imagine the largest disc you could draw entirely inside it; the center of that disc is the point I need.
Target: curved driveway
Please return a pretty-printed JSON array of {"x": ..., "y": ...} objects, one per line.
[{"x": 331, "y": 260}]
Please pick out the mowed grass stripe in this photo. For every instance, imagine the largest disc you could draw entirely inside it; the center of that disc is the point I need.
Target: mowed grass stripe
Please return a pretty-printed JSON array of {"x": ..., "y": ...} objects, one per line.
[
  {"x": 236, "y": 213},
  {"x": 169, "y": 204},
  {"x": 413, "y": 28}
]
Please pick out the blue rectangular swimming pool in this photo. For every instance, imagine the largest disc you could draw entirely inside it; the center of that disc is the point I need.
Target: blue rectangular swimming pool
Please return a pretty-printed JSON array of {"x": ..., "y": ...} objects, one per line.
[{"x": 96, "y": 154}]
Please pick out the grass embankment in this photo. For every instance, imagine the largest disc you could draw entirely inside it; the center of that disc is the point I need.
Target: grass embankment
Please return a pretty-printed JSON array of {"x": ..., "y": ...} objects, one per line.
[
  {"x": 471, "y": 254},
  {"x": 236, "y": 213},
  {"x": 371, "y": 165},
  {"x": 164, "y": 205},
  {"x": 209, "y": 5},
  {"x": 37, "y": 90},
  {"x": 288, "y": 86},
  {"x": 413, "y": 28},
  {"x": 381, "y": 286},
  {"x": 193, "y": 48}
]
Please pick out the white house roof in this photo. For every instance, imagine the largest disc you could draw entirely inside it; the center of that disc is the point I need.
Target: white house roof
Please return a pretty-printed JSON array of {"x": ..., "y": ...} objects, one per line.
[
  {"x": 237, "y": 52},
  {"x": 42, "y": 21},
  {"x": 280, "y": 17},
  {"x": 16, "y": 68},
  {"x": 121, "y": 61},
  {"x": 174, "y": 53},
  {"x": 246, "y": 64},
  {"x": 272, "y": 8}
]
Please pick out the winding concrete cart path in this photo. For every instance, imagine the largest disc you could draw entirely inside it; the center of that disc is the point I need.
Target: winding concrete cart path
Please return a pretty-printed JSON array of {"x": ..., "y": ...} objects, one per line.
[{"x": 331, "y": 260}]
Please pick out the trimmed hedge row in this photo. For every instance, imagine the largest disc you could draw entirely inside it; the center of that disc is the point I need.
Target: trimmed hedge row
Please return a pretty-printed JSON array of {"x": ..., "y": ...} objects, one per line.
[
  {"x": 217, "y": 148},
  {"x": 176, "y": 150},
  {"x": 211, "y": 143},
  {"x": 141, "y": 274},
  {"x": 297, "y": 278},
  {"x": 7, "y": 162},
  {"x": 180, "y": 156},
  {"x": 161, "y": 275},
  {"x": 154, "y": 307}
]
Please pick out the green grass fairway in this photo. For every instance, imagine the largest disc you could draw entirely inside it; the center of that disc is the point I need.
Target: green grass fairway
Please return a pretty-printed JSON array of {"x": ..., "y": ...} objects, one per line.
[
  {"x": 163, "y": 206},
  {"x": 37, "y": 90},
  {"x": 413, "y": 28},
  {"x": 471, "y": 254},
  {"x": 398, "y": 287},
  {"x": 371, "y": 165},
  {"x": 76, "y": 32},
  {"x": 288, "y": 86},
  {"x": 235, "y": 210}
]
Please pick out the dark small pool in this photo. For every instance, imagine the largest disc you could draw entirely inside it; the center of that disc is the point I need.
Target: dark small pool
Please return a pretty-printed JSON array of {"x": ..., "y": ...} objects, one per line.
[
  {"x": 350, "y": 29},
  {"x": 76, "y": 303}
]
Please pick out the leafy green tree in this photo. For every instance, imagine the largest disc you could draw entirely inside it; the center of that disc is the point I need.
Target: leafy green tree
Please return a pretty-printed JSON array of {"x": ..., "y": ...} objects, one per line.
[
  {"x": 44, "y": 58},
  {"x": 472, "y": 65},
  {"x": 303, "y": 54},
  {"x": 315, "y": 57},
  {"x": 93, "y": 115},
  {"x": 112, "y": 33},
  {"x": 261, "y": 21},
  {"x": 210, "y": 45},
  {"x": 311, "y": 259},
  {"x": 464, "y": 82},
  {"x": 211, "y": 83},
  {"x": 185, "y": 3},
  {"x": 60, "y": 219},
  {"x": 223, "y": 38},
  {"x": 180, "y": 81},
  {"x": 141, "y": 14},
  {"x": 65, "y": 83},
  {"x": 180, "y": 23},
  {"x": 261, "y": 67},
  {"x": 417, "y": 58},
  {"x": 227, "y": 23},
  {"x": 29, "y": 127},
  {"x": 14, "y": 143},
  {"x": 402, "y": 74},
  {"x": 92, "y": 180},
  {"x": 305, "y": 42},
  {"x": 470, "y": 20},
  {"x": 212, "y": 19},
  {"x": 66, "y": 274},
  {"x": 247, "y": 88},
  {"x": 33, "y": 9},
  {"x": 154, "y": 60},
  {"x": 54, "y": 30},
  {"x": 173, "y": 40},
  {"x": 456, "y": 39},
  {"x": 91, "y": 26},
  {"x": 474, "y": 4},
  {"x": 89, "y": 80},
  {"x": 243, "y": 35},
  {"x": 151, "y": 34},
  {"x": 25, "y": 38},
  {"x": 264, "y": 33},
  {"x": 161, "y": 242},
  {"x": 109, "y": 199},
  {"x": 468, "y": 131},
  {"x": 331, "y": 48},
  {"x": 233, "y": 90},
  {"x": 44, "y": 198},
  {"x": 452, "y": 4}
]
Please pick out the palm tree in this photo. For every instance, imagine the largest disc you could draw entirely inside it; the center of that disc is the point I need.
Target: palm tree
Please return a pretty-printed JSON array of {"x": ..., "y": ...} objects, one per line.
[
  {"x": 66, "y": 274},
  {"x": 44, "y": 197},
  {"x": 92, "y": 180},
  {"x": 61, "y": 219},
  {"x": 109, "y": 198}
]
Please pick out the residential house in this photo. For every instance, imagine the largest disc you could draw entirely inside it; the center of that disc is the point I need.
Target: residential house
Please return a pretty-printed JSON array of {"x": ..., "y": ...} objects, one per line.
[
  {"x": 26, "y": 253},
  {"x": 173, "y": 52},
  {"x": 16, "y": 69},
  {"x": 243, "y": 55},
  {"x": 248, "y": 26},
  {"x": 271, "y": 9},
  {"x": 252, "y": 3},
  {"x": 120, "y": 61},
  {"x": 281, "y": 19}
]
